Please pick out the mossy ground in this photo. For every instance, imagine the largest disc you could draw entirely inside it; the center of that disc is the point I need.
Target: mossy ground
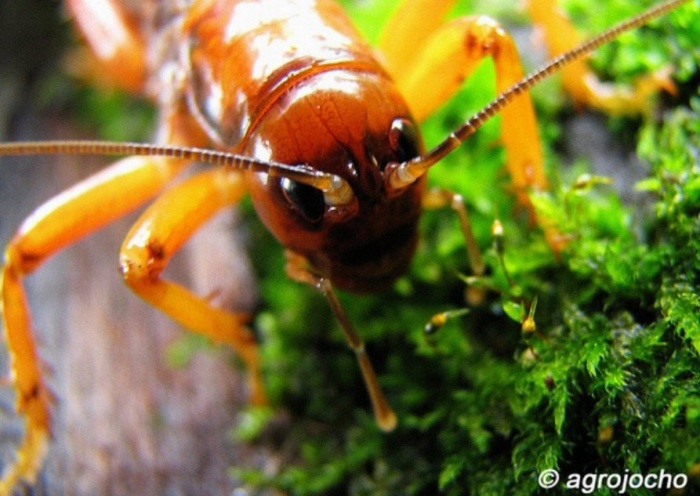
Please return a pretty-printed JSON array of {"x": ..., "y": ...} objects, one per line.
[{"x": 609, "y": 382}]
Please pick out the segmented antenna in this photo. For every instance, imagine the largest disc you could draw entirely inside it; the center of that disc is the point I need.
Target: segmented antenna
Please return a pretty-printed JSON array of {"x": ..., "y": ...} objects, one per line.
[
  {"x": 336, "y": 190},
  {"x": 400, "y": 175}
]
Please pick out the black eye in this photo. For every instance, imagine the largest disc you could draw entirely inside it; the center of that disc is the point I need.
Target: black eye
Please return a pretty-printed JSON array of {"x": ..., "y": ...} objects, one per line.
[
  {"x": 307, "y": 200},
  {"x": 404, "y": 140}
]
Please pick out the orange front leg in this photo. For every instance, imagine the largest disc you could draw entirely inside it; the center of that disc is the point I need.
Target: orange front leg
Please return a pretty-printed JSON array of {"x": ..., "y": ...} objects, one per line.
[
  {"x": 446, "y": 58},
  {"x": 579, "y": 81},
  {"x": 159, "y": 234},
  {"x": 79, "y": 211}
]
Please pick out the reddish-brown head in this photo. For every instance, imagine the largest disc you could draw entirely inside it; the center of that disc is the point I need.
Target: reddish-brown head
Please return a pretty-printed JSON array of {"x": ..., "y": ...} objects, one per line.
[{"x": 350, "y": 124}]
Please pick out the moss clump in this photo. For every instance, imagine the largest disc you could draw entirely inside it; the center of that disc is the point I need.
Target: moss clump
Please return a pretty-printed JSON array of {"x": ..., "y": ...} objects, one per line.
[{"x": 608, "y": 383}]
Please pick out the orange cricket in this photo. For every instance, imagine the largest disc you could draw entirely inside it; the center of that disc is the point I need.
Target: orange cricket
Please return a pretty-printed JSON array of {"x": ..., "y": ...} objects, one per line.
[{"x": 318, "y": 126}]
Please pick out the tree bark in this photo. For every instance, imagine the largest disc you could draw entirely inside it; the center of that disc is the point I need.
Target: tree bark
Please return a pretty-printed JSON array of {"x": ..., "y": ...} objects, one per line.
[{"x": 125, "y": 421}]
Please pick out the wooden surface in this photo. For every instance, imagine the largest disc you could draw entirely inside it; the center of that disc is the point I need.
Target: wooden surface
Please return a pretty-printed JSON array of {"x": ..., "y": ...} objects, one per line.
[{"x": 125, "y": 422}]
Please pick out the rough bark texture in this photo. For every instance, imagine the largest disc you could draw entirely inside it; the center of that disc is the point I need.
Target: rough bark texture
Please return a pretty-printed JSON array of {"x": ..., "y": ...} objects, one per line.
[{"x": 125, "y": 422}]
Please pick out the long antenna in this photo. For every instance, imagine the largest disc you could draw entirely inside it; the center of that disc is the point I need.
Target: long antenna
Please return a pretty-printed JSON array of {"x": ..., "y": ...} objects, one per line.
[
  {"x": 400, "y": 175},
  {"x": 336, "y": 190}
]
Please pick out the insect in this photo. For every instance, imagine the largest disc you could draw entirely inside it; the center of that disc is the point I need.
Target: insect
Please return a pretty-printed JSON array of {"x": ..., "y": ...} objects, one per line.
[{"x": 321, "y": 134}]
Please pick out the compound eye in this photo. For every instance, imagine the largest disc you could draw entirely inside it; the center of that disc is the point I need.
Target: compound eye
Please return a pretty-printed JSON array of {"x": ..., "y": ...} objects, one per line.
[
  {"x": 307, "y": 200},
  {"x": 404, "y": 140}
]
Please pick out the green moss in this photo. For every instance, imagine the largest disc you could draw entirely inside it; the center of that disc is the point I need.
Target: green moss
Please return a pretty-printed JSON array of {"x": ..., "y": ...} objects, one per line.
[{"x": 608, "y": 382}]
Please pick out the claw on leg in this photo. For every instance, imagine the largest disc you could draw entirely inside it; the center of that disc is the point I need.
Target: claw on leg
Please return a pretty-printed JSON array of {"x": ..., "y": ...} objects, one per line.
[
  {"x": 32, "y": 395},
  {"x": 30, "y": 457}
]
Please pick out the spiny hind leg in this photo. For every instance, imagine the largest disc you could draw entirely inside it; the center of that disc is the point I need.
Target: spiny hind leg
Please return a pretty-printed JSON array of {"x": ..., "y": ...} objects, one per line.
[
  {"x": 73, "y": 214},
  {"x": 159, "y": 233},
  {"x": 579, "y": 81}
]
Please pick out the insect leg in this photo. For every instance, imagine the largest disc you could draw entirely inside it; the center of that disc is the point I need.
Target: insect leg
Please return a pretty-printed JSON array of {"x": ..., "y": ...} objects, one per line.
[
  {"x": 579, "y": 81},
  {"x": 73, "y": 214},
  {"x": 439, "y": 198},
  {"x": 449, "y": 56},
  {"x": 406, "y": 30},
  {"x": 160, "y": 232},
  {"x": 298, "y": 269},
  {"x": 115, "y": 41}
]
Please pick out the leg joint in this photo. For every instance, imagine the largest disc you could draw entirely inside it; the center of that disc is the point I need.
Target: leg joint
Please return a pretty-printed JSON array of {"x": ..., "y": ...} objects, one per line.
[
  {"x": 140, "y": 263},
  {"x": 483, "y": 37}
]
